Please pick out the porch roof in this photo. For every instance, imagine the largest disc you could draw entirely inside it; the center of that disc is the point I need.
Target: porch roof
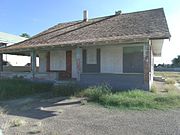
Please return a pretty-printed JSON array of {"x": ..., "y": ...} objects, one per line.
[{"x": 120, "y": 28}]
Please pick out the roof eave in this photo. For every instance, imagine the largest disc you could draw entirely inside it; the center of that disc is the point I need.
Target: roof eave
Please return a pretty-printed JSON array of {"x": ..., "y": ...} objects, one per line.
[{"x": 73, "y": 44}]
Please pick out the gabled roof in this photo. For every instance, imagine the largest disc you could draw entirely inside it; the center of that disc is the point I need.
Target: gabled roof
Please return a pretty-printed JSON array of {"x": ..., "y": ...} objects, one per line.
[
  {"x": 10, "y": 39},
  {"x": 150, "y": 24}
]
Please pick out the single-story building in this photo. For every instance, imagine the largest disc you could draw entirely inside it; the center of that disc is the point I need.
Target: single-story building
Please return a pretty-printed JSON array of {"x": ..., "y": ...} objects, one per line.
[{"x": 117, "y": 50}]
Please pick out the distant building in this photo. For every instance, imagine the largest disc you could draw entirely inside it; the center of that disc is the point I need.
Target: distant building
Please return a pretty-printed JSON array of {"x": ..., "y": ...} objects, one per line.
[{"x": 14, "y": 60}]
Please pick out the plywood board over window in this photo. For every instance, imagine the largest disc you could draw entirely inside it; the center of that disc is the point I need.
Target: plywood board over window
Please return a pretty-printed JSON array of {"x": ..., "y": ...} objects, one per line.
[
  {"x": 58, "y": 60},
  {"x": 91, "y": 54},
  {"x": 133, "y": 59},
  {"x": 111, "y": 59},
  {"x": 95, "y": 54}
]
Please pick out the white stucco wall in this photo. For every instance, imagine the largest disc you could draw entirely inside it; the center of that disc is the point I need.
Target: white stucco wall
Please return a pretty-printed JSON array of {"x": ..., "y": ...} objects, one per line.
[
  {"x": 42, "y": 61},
  {"x": 58, "y": 60},
  {"x": 111, "y": 59}
]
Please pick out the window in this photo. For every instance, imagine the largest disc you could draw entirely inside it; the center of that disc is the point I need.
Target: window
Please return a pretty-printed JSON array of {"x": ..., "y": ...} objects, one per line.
[
  {"x": 133, "y": 59},
  {"x": 91, "y": 60},
  {"x": 91, "y": 54}
]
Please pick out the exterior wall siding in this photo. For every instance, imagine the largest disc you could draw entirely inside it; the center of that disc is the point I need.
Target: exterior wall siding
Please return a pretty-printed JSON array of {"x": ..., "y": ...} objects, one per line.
[
  {"x": 147, "y": 65},
  {"x": 112, "y": 68},
  {"x": 116, "y": 81},
  {"x": 51, "y": 76}
]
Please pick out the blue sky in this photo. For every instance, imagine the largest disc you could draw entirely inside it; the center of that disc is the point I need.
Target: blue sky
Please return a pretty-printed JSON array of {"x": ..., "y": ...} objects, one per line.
[{"x": 34, "y": 16}]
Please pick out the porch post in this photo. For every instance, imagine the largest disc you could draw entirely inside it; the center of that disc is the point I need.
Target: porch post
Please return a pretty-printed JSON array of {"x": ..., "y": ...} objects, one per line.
[
  {"x": 1, "y": 62},
  {"x": 33, "y": 63},
  {"x": 147, "y": 65},
  {"x": 79, "y": 62},
  {"x": 48, "y": 62}
]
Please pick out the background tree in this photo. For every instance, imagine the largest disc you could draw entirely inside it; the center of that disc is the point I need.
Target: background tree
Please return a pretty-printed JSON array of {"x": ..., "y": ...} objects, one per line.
[
  {"x": 176, "y": 62},
  {"x": 25, "y": 35}
]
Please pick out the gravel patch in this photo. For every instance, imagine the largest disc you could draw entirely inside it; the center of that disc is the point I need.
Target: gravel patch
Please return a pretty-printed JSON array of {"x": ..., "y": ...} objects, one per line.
[{"x": 89, "y": 119}]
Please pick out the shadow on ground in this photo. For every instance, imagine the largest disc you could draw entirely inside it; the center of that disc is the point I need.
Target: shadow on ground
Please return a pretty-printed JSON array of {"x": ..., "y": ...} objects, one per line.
[{"x": 35, "y": 107}]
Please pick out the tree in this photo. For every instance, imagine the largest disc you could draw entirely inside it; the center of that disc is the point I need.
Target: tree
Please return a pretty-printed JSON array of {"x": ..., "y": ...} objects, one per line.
[
  {"x": 25, "y": 35},
  {"x": 176, "y": 61}
]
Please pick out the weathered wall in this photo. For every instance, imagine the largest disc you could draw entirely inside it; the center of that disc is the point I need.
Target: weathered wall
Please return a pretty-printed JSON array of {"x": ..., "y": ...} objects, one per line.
[
  {"x": 152, "y": 67},
  {"x": 147, "y": 65},
  {"x": 17, "y": 68},
  {"x": 74, "y": 64},
  {"x": 28, "y": 75},
  {"x": 116, "y": 81}
]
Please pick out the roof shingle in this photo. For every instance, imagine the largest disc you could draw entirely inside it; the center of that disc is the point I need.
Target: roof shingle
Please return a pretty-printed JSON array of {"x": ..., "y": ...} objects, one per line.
[{"x": 150, "y": 24}]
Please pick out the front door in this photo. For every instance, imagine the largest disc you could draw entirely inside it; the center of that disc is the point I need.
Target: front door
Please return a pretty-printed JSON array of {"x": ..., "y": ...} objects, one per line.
[{"x": 68, "y": 64}]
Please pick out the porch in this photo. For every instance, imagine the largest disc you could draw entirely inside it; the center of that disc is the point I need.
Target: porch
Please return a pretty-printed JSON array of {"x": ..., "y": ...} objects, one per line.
[{"x": 121, "y": 66}]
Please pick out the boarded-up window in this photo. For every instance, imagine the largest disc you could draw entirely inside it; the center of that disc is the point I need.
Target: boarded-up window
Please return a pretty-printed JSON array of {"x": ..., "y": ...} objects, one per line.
[
  {"x": 91, "y": 56},
  {"x": 91, "y": 68},
  {"x": 58, "y": 60},
  {"x": 133, "y": 59},
  {"x": 111, "y": 59}
]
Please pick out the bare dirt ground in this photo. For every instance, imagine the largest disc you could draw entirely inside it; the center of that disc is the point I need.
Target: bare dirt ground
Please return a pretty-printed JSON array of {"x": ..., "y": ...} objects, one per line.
[{"x": 60, "y": 116}]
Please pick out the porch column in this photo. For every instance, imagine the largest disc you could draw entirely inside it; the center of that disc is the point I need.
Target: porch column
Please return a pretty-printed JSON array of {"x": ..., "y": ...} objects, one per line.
[
  {"x": 33, "y": 63},
  {"x": 79, "y": 62},
  {"x": 1, "y": 62},
  {"x": 147, "y": 65},
  {"x": 48, "y": 62}
]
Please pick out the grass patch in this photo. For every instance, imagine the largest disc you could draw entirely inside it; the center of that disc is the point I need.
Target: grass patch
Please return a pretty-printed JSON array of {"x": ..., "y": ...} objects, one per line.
[
  {"x": 17, "y": 122},
  {"x": 135, "y": 99},
  {"x": 3, "y": 110},
  {"x": 170, "y": 81},
  {"x": 170, "y": 88},
  {"x": 153, "y": 89},
  {"x": 95, "y": 92},
  {"x": 14, "y": 88},
  {"x": 69, "y": 89},
  {"x": 173, "y": 75}
]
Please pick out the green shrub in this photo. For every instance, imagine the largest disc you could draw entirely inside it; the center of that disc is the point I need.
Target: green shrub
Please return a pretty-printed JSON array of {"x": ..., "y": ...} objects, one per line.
[
  {"x": 14, "y": 88},
  {"x": 170, "y": 81},
  {"x": 95, "y": 92},
  {"x": 134, "y": 99},
  {"x": 69, "y": 89},
  {"x": 153, "y": 89},
  {"x": 169, "y": 87}
]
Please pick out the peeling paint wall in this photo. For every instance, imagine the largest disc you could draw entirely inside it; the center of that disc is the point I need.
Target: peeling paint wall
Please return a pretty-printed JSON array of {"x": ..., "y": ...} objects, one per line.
[{"x": 74, "y": 64}]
